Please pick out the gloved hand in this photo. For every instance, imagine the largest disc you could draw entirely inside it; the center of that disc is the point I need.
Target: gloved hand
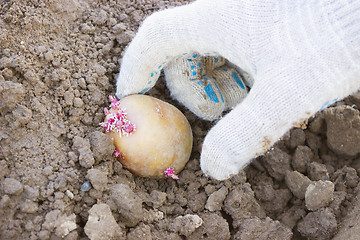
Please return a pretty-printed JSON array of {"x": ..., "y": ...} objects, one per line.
[{"x": 303, "y": 55}]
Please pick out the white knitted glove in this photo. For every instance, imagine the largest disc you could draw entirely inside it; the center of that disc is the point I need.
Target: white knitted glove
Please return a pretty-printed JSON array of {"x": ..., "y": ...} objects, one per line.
[{"x": 303, "y": 55}]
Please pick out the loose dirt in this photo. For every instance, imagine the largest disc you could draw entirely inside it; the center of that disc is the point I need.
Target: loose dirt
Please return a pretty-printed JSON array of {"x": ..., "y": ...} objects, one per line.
[{"x": 58, "y": 178}]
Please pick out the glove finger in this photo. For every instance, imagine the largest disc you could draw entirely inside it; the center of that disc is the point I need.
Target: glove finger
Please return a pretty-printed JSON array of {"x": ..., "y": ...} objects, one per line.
[
  {"x": 231, "y": 85},
  {"x": 188, "y": 83}
]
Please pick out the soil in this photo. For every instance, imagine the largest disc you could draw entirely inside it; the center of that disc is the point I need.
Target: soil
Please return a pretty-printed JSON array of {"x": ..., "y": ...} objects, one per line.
[{"x": 59, "y": 180}]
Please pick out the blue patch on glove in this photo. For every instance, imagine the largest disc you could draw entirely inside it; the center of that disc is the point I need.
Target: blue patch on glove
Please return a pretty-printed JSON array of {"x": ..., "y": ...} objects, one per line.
[
  {"x": 238, "y": 80},
  {"x": 210, "y": 92}
]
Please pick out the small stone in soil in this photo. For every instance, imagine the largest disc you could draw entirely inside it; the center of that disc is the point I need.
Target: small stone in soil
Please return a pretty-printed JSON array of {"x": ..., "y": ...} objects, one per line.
[
  {"x": 128, "y": 203},
  {"x": 101, "y": 224},
  {"x": 277, "y": 162},
  {"x": 214, "y": 226},
  {"x": 297, "y": 183},
  {"x": 317, "y": 171},
  {"x": 343, "y": 130},
  {"x": 319, "y": 194},
  {"x": 86, "y": 186},
  {"x": 241, "y": 203},
  {"x": 216, "y": 199},
  {"x": 97, "y": 178},
  {"x": 319, "y": 225},
  {"x": 301, "y": 158}
]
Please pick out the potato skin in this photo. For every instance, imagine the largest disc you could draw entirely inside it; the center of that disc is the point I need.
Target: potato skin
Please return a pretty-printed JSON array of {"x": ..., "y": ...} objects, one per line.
[{"x": 162, "y": 139}]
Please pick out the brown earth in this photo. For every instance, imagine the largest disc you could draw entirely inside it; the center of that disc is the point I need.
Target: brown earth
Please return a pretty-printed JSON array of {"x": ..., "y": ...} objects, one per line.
[{"x": 58, "y": 178}]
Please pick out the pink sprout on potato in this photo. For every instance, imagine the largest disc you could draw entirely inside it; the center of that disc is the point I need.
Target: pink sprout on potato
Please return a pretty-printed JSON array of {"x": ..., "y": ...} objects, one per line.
[
  {"x": 114, "y": 103},
  {"x": 117, "y": 121},
  {"x": 117, "y": 153},
  {"x": 169, "y": 172}
]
